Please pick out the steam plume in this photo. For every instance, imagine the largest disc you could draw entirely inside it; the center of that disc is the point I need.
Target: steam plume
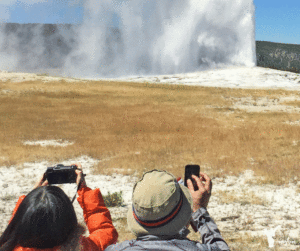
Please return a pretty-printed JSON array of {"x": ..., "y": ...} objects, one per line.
[{"x": 140, "y": 37}]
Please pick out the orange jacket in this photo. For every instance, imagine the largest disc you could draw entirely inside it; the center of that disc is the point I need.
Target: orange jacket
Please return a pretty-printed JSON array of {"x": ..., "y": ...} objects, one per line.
[{"x": 97, "y": 218}]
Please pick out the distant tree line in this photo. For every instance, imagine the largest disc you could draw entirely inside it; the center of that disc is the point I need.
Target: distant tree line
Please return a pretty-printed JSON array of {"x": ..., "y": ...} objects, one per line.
[{"x": 285, "y": 57}]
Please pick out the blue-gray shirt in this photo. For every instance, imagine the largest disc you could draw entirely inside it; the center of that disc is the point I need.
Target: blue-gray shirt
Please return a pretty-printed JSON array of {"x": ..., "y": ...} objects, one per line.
[{"x": 210, "y": 234}]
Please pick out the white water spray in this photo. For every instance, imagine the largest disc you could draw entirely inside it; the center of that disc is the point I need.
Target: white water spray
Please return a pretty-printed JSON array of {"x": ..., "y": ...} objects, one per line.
[
  {"x": 164, "y": 37},
  {"x": 141, "y": 37}
]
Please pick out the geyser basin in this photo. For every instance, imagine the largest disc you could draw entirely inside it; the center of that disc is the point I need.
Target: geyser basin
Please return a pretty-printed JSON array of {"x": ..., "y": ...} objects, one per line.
[{"x": 141, "y": 37}]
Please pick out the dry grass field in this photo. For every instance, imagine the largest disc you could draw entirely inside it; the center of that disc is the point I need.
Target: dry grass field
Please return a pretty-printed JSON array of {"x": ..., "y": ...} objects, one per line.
[{"x": 134, "y": 127}]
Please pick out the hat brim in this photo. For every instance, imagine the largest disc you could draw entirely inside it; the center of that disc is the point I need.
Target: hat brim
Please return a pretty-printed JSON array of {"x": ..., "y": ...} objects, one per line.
[{"x": 171, "y": 228}]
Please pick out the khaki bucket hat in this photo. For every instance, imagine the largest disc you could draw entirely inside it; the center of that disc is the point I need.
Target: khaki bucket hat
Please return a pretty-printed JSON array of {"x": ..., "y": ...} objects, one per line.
[{"x": 160, "y": 206}]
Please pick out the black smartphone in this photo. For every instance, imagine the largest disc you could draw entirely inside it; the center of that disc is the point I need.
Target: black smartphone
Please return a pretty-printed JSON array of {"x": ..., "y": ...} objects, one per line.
[{"x": 189, "y": 171}]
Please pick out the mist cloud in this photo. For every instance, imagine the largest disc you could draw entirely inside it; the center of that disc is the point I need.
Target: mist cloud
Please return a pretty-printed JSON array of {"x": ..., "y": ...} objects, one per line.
[{"x": 139, "y": 37}]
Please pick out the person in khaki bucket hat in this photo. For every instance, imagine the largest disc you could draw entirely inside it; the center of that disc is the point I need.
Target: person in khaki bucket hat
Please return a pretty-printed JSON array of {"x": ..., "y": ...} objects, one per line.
[
  {"x": 160, "y": 205},
  {"x": 161, "y": 211}
]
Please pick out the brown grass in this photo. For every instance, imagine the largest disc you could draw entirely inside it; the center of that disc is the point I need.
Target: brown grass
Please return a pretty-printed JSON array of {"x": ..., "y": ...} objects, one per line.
[
  {"x": 133, "y": 127},
  {"x": 295, "y": 103},
  {"x": 244, "y": 198},
  {"x": 123, "y": 231}
]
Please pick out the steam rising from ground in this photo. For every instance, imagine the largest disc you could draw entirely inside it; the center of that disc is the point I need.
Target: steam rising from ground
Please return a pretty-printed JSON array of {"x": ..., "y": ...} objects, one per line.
[{"x": 138, "y": 37}]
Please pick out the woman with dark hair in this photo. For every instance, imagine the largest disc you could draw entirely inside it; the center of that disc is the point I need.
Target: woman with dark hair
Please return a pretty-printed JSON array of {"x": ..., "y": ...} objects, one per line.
[{"x": 45, "y": 220}]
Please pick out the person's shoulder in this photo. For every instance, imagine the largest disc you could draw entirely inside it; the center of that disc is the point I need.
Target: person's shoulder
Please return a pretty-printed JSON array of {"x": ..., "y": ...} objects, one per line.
[
  {"x": 158, "y": 244},
  {"x": 120, "y": 246}
]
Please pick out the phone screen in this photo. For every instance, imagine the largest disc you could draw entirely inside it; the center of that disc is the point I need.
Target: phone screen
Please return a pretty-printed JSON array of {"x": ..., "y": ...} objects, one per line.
[{"x": 189, "y": 171}]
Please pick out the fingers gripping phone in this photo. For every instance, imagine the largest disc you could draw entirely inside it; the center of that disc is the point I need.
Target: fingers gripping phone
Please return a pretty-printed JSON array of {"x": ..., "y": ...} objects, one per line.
[{"x": 189, "y": 171}]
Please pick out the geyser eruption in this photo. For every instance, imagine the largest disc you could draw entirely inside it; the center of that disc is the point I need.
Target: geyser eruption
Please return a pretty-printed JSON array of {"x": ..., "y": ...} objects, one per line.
[{"x": 138, "y": 37}]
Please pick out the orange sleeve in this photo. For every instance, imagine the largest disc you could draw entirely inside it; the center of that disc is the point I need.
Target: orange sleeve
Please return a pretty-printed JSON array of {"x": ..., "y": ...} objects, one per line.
[
  {"x": 17, "y": 206},
  {"x": 97, "y": 218}
]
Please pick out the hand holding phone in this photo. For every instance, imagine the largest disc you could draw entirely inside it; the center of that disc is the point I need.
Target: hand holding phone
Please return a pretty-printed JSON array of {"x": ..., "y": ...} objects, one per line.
[
  {"x": 189, "y": 171},
  {"x": 200, "y": 197}
]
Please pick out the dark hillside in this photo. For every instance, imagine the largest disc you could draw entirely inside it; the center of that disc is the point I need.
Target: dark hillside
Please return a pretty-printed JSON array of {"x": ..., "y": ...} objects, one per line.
[
  {"x": 45, "y": 46},
  {"x": 36, "y": 46},
  {"x": 278, "y": 56}
]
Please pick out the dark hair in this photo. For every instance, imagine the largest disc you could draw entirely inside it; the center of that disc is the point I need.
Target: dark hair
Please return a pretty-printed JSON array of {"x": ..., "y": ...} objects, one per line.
[{"x": 44, "y": 219}]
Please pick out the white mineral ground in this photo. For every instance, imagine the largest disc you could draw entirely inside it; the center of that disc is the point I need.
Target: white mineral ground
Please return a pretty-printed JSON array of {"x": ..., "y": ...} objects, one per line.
[{"x": 279, "y": 205}]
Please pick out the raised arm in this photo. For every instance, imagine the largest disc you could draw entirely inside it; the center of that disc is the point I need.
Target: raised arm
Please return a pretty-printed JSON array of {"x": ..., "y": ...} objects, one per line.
[
  {"x": 96, "y": 216},
  {"x": 208, "y": 229}
]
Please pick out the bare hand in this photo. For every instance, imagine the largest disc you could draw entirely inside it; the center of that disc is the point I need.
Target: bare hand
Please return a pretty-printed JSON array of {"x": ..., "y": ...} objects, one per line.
[
  {"x": 80, "y": 176},
  {"x": 200, "y": 197},
  {"x": 41, "y": 182}
]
